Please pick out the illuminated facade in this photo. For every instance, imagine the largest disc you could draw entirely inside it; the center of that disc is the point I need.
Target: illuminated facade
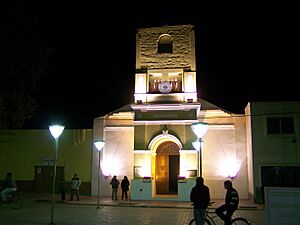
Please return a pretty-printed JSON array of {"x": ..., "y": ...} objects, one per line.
[{"x": 151, "y": 140}]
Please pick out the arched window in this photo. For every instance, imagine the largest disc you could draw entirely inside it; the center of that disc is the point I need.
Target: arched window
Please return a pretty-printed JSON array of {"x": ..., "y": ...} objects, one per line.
[{"x": 165, "y": 44}]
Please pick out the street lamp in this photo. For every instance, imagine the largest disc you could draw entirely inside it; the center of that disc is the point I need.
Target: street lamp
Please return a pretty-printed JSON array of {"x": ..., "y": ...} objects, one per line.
[
  {"x": 99, "y": 145},
  {"x": 199, "y": 130},
  {"x": 56, "y": 131}
]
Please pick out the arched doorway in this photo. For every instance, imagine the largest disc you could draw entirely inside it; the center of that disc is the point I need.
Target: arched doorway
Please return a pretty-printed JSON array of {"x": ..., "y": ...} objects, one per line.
[{"x": 167, "y": 168}]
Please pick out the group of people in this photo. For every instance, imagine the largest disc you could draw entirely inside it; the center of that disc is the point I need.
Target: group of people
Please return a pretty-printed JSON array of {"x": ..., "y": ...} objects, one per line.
[
  {"x": 124, "y": 187},
  {"x": 200, "y": 197},
  {"x": 74, "y": 184},
  {"x": 9, "y": 185}
]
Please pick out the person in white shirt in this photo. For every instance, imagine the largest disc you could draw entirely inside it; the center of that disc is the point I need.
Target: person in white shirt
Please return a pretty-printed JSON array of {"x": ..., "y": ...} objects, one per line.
[{"x": 75, "y": 184}]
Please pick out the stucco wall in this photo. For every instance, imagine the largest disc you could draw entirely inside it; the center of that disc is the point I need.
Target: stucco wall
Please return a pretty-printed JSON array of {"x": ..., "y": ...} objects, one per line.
[
  {"x": 273, "y": 150},
  {"x": 116, "y": 155},
  {"x": 220, "y": 151},
  {"x": 22, "y": 150},
  {"x": 145, "y": 133}
]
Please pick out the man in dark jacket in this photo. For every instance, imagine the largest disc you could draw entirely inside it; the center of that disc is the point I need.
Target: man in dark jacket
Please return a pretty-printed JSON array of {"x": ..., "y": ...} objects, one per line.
[
  {"x": 115, "y": 185},
  {"x": 231, "y": 203},
  {"x": 200, "y": 197},
  {"x": 125, "y": 187}
]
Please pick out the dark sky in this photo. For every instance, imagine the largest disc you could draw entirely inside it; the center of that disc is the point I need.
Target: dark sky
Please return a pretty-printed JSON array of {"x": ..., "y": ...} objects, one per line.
[{"x": 244, "y": 53}]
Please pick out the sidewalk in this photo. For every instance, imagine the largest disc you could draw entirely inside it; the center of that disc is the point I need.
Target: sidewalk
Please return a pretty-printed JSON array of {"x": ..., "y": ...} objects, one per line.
[
  {"x": 86, "y": 211},
  {"x": 107, "y": 201}
]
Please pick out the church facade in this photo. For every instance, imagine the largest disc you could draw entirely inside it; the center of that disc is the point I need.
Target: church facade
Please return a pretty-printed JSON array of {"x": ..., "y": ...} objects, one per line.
[
  {"x": 155, "y": 141},
  {"x": 166, "y": 137}
]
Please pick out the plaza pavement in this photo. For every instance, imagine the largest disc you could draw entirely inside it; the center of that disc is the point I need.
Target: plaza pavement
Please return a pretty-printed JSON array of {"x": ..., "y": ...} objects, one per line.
[
  {"x": 255, "y": 213},
  {"x": 107, "y": 201}
]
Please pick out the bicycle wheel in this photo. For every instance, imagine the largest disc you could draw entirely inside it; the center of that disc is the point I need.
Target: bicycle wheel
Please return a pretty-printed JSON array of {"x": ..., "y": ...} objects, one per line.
[
  {"x": 17, "y": 202},
  {"x": 206, "y": 222},
  {"x": 212, "y": 219},
  {"x": 240, "y": 221},
  {"x": 192, "y": 222}
]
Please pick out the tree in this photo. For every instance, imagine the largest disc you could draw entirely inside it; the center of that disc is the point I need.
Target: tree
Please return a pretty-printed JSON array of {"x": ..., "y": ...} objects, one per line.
[{"x": 23, "y": 61}]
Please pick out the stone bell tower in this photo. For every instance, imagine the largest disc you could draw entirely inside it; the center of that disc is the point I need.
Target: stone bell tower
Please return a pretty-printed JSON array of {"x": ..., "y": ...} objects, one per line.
[
  {"x": 165, "y": 105},
  {"x": 165, "y": 65}
]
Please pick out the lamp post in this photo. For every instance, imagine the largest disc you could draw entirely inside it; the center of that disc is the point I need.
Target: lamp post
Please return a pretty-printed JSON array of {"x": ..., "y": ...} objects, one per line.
[
  {"x": 56, "y": 131},
  {"x": 99, "y": 145},
  {"x": 199, "y": 130}
]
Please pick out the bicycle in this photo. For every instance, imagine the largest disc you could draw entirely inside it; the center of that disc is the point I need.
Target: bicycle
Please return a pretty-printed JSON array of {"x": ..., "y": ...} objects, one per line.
[
  {"x": 15, "y": 200},
  {"x": 210, "y": 219}
]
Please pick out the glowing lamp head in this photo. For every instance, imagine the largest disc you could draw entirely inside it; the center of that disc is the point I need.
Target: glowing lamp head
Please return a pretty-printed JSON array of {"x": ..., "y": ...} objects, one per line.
[
  {"x": 197, "y": 145},
  {"x": 200, "y": 129},
  {"x": 56, "y": 130},
  {"x": 99, "y": 145}
]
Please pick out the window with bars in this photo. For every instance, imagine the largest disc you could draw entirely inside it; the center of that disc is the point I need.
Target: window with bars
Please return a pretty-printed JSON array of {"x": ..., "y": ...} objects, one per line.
[
  {"x": 165, "y": 44},
  {"x": 280, "y": 125}
]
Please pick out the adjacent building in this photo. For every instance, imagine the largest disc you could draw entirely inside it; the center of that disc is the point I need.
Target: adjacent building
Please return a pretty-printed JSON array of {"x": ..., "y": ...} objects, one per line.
[{"x": 272, "y": 130}]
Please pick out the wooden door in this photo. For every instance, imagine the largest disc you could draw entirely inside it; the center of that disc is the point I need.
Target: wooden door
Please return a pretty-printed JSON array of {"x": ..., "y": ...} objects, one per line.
[
  {"x": 167, "y": 168},
  {"x": 162, "y": 174},
  {"x": 44, "y": 178},
  {"x": 173, "y": 173}
]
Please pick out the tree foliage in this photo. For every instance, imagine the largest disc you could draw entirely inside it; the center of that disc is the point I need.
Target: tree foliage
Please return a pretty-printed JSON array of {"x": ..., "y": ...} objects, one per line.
[{"x": 23, "y": 61}]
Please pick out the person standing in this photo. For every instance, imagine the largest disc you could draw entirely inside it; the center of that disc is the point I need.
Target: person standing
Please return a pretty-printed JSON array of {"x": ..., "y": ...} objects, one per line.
[
  {"x": 114, "y": 184},
  {"x": 231, "y": 203},
  {"x": 75, "y": 184},
  {"x": 9, "y": 186},
  {"x": 200, "y": 197},
  {"x": 125, "y": 187},
  {"x": 63, "y": 190}
]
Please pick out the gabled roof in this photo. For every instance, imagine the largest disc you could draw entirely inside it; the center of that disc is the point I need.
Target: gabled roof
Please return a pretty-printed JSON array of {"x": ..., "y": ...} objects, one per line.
[
  {"x": 205, "y": 105},
  {"x": 125, "y": 108}
]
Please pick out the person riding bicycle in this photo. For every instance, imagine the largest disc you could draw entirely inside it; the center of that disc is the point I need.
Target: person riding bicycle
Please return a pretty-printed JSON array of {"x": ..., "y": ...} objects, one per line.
[
  {"x": 200, "y": 197},
  {"x": 231, "y": 203},
  {"x": 9, "y": 186}
]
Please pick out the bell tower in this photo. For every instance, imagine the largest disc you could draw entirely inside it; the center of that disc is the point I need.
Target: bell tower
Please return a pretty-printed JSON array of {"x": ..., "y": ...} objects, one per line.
[
  {"x": 165, "y": 65},
  {"x": 165, "y": 105}
]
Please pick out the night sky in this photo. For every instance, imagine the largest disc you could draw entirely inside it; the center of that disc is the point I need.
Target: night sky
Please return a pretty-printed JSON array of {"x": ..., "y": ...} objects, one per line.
[{"x": 243, "y": 53}]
